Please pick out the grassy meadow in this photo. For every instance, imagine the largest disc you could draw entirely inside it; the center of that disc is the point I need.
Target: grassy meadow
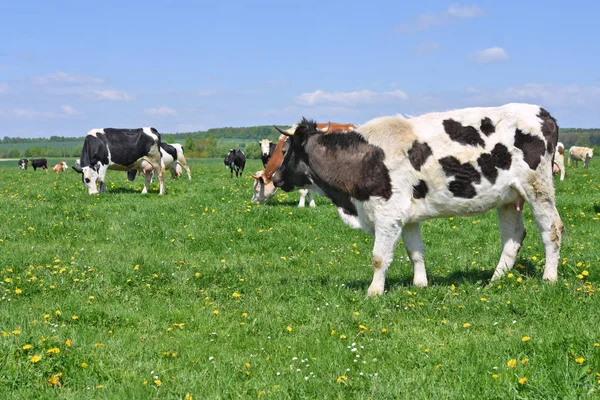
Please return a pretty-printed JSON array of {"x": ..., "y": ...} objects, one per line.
[{"x": 200, "y": 294}]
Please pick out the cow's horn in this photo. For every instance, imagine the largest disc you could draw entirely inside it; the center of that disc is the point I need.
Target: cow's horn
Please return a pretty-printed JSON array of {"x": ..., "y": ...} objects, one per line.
[
  {"x": 324, "y": 130},
  {"x": 289, "y": 132},
  {"x": 254, "y": 176}
]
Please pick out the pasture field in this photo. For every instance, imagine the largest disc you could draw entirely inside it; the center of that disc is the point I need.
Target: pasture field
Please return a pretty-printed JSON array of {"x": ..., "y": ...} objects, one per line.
[{"x": 201, "y": 294}]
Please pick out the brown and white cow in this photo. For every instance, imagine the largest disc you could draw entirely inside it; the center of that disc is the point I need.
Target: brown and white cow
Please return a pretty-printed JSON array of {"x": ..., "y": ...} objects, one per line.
[
  {"x": 392, "y": 173},
  {"x": 60, "y": 167},
  {"x": 263, "y": 184},
  {"x": 577, "y": 154}
]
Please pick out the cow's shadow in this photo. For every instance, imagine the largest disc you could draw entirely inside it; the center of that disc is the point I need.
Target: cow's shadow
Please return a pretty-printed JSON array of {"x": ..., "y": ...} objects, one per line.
[
  {"x": 471, "y": 276},
  {"x": 597, "y": 208},
  {"x": 125, "y": 190}
]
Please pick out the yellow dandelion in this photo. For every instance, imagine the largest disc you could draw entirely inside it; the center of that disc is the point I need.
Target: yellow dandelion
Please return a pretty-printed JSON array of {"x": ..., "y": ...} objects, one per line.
[
  {"x": 585, "y": 273},
  {"x": 579, "y": 360},
  {"x": 157, "y": 382},
  {"x": 466, "y": 325},
  {"x": 55, "y": 379},
  {"x": 236, "y": 295},
  {"x": 35, "y": 359},
  {"x": 523, "y": 381},
  {"x": 526, "y": 338},
  {"x": 99, "y": 387},
  {"x": 511, "y": 363},
  {"x": 83, "y": 365},
  {"x": 26, "y": 347},
  {"x": 244, "y": 314},
  {"x": 18, "y": 291},
  {"x": 341, "y": 379},
  {"x": 494, "y": 376},
  {"x": 74, "y": 317},
  {"x": 16, "y": 332},
  {"x": 362, "y": 327},
  {"x": 524, "y": 361},
  {"x": 509, "y": 275},
  {"x": 216, "y": 312},
  {"x": 342, "y": 336},
  {"x": 289, "y": 328},
  {"x": 247, "y": 365},
  {"x": 188, "y": 397},
  {"x": 68, "y": 342},
  {"x": 383, "y": 330}
]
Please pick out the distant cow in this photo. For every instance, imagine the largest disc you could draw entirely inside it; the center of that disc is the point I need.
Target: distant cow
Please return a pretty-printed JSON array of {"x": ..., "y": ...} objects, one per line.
[
  {"x": 122, "y": 150},
  {"x": 60, "y": 167},
  {"x": 172, "y": 159},
  {"x": 392, "y": 173},
  {"x": 235, "y": 160},
  {"x": 577, "y": 154},
  {"x": 39, "y": 163},
  {"x": 267, "y": 148},
  {"x": 23, "y": 163},
  {"x": 559, "y": 160}
]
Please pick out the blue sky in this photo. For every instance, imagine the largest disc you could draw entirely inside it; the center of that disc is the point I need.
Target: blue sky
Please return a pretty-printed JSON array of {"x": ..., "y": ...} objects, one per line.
[{"x": 69, "y": 66}]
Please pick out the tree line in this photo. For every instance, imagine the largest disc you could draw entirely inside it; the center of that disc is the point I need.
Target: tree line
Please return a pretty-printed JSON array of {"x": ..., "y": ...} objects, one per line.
[{"x": 215, "y": 143}]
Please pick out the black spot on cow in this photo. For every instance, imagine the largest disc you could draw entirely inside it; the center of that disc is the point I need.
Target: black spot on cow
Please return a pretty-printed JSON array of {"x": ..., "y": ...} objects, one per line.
[
  {"x": 418, "y": 154},
  {"x": 463, "y": 134},
  {"x": 490, "y": 162},
  {"x": 420, "y": 190},
  {"x": 487, "y": 127},
  {"x": 465, "y": 175},
  {"x": 532, "y": 146},
  {"x": 549, "y": 130}
]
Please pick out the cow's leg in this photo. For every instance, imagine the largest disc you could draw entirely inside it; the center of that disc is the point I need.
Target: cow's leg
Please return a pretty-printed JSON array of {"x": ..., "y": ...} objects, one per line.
[
  {"x": 550, "y": 226},
  {"x": 160, "y": 172},
  {"x": 102, "y": 177},
  {"x": 512, "y": 233},
  {"x": 187, "y": 169},
  {"x": 386, "y": 236},
  {"x": 415, "y": 248},
  {"x": 562, "y": 173},
  {"x": 231, "y": 171},
  {"x": 303, "y": 193},
  {"x": 147, "y": 169},
  {"x": 311, "y": 199}
]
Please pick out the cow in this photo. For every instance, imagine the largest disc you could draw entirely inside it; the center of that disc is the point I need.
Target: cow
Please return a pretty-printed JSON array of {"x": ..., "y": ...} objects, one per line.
[
  {"x": 235, "y": 160},
  {"x": 263, "y": 180},
  {"x": 267, "y": 148},
  {"x": 171, "y": 159},
  {"x": 559, "y": 161},
  {"x": 392, "y": 173},
  {"x": 122, "y": 150},
  {"x": 263, "y": 184},
  {"x": 577, "y": 154},
  {"x": 39, "y": 163},
  {"x": 23, "y": 163},
  {"x": 60, "y": 167}
]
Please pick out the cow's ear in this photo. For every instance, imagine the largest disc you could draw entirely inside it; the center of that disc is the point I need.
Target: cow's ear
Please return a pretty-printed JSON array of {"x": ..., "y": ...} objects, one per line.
[
  {"x": 77, "y": 168},
  {"x": 300, "y": 137}
]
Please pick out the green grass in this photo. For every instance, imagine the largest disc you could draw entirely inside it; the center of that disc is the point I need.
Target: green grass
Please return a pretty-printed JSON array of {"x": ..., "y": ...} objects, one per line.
[{"x": 216, "y": 297}]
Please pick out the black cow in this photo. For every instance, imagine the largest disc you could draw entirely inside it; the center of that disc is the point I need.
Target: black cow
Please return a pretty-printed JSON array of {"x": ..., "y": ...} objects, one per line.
[
  {"x": 121, "y": 150},
  {"x": 23, "y": 163},
  {"x": 267, "y": 148},
  {"x": 39, "y": 163},
  {"x": 236, "y": 160}
]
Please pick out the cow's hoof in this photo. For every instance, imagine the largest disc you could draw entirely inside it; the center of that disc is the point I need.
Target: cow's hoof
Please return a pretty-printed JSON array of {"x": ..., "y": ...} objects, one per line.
[{"x": 375, "y": 291}]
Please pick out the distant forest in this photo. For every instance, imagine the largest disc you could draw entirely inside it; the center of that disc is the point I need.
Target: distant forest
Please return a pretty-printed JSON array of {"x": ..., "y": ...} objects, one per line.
[{"x": 213, "y": 143}]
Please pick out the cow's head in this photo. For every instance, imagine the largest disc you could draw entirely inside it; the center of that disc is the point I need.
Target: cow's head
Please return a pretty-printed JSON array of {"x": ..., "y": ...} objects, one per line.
[
  {"x": 23, "y": 164},
  {"x": 265, "y": 146},
  {"x": 89, "y": 176},
  {"x": 230, "y": 157},
  {"x": 264, "y": 188},
  {"x": 295, "y": 170}
]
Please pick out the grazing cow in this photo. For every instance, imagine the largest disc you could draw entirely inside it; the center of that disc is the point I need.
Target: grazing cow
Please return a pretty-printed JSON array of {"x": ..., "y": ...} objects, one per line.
[
  {"x": 266, "y": 150},
  {"x": 263, "y": 180},
  {"x": 23, "y": 163},
  {"x": 39, "y": 163},
  {"x": 577, "y": 154},
  {"x": 559, "y": 161},
  {"x": 235, "y": 160},
  {"x": 60, "y": 167},
  {"x": 392, "y": 173},
  {"x": 122, "y": 150},
  {"x": 263, "y": 184},
  {"x": 171, "y": 159}
]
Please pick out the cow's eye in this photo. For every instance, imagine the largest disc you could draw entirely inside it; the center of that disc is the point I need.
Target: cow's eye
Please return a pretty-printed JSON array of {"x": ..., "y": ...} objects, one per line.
[{"x": 87, "y": 180}]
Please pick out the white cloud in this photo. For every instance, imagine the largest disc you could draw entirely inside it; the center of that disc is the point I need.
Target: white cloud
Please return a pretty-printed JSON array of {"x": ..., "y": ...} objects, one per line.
[
  {"x": 160, "y": 111},
  {"x": 110, "y": 95},
  {"x": 349, "y": 98},
  {"x": 427, "y": 20},
  {"x": 69, "y": 111},
  {"x": 31, "y": 114},
  {"x": 551, "y": 95},
  {"x": 63, "y": 77},
  {"x": 487, "y": 56}
]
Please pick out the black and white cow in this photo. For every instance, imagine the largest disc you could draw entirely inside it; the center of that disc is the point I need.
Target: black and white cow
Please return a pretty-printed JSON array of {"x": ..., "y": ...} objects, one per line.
[
  {"x": 39, "y": 163},
  {"x": 23, "y": 163},
  {"x": 235, "y": 160},
  {"x": 122, "y": 150},
  {"x": 172, "y": 159},
  {"x": 267, "y": 148},
  {"x": 392, "y": 173}
]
